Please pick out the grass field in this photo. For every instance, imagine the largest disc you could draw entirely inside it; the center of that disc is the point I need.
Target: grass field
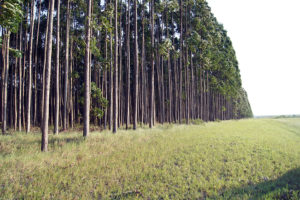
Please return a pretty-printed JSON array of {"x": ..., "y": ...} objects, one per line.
[{"x": 246, "y": 159}]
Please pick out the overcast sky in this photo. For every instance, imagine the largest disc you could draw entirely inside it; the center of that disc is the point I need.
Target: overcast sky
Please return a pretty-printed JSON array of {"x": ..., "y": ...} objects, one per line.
[{"x": 266, "y": 37}]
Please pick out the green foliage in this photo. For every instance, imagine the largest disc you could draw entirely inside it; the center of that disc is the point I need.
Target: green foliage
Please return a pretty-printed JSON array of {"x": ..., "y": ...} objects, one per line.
[
  {"x": 15, "y": 52},
  {"x": 11, "y": 14},
  {"x": 98, "y": 102},
  {"x": 197, "y": 122},
  {"x": 165, "y": 47},
  {"x": 246, "y": 159},
  {"x": 242, "y": 108}
]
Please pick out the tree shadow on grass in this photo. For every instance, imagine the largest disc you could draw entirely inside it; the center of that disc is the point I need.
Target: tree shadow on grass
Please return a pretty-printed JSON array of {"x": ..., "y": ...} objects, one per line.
[
  {"x": 57, "y": 142},
  {"x": 285, "y": 187}
]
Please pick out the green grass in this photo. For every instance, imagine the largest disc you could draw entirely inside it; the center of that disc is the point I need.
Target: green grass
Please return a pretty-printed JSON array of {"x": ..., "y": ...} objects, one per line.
[{"x": 246, "y": 159}]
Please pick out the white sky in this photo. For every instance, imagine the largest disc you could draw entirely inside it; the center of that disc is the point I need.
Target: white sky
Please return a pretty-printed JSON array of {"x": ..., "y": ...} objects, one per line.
[{"x": 266, "y": 37}]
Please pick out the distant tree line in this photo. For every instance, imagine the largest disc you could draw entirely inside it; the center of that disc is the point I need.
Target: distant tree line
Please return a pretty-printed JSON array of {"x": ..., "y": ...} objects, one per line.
[{"x": 115, "y": 63}]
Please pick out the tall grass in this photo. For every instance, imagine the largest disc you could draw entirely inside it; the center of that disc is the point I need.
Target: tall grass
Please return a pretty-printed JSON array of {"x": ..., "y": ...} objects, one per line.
[{"x": 243, "y": 159}]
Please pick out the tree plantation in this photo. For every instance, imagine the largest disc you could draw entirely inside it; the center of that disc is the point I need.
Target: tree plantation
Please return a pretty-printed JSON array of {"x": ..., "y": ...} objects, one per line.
[{"x": 115, "y": 63}]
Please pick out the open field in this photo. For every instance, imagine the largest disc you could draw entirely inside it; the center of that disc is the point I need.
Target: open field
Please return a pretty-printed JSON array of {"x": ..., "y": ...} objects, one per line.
[{"x": 247, "y": 159}]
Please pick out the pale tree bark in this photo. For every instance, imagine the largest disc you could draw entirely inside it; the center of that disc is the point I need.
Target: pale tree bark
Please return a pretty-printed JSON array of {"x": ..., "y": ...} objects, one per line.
[
  {"x": 120, "y": 85},
  {"x": 169, "y": 74},
  {"x": 86, "y": 127},
  {"x": 71, "y": 86},
  {"x": 32, "y": 14},
  {"x": 105, "y": 81},
  {"x": 20, "y": 82},
  {"x": 115, "y": 107},
  {"x": 45, "y": 61},
  {"x": 57, "y": 104},
  {"x": 187, "y": 77},
  {"x": 136, "y": 66},
  {"x": 111, "y": 77},
  {"x": 142, "y": 83},
  {"x": 45, "y": 120},
  {"x": 36, "y": 64},
  {"x": 66, "y": 66},
  {"x": 5, "y": 53},
  {"x": 151, "y": 124},
  {"x": 15, "y": 86},
  {"x": 128, "y": 67},
  {"x": 180, "y": 64},
  {"x": 24, "y": 67}
]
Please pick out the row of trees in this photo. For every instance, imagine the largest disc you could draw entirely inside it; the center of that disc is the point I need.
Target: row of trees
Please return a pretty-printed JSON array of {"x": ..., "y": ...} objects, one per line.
[{"x": 116, "y": 63}]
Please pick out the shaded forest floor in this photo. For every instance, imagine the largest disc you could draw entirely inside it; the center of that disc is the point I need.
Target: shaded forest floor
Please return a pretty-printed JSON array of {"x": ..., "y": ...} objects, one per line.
[{"x": 246, "y": 159}]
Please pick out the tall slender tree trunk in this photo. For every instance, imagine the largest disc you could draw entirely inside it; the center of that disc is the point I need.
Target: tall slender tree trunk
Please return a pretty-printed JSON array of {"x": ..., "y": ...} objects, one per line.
[
  {"x": 20, "y": 81},
  {"x": 15, "y": 86},
  {"x": 66, "y": 66},
  {"x": 169, "y": 75},
  {"x": 136, "y": 66},
  {"x": 45, "y": 119},
  {"x": 151, "y": 124},
  {"x": 192, "y": 87},
  {"x": 128, "y": 68},
  {"x": 45, "y": 61},
  {"x": 111, "y": 77},
  {"x": 180, "y": 64},
  {"x": 142, "y": 83},
  {"x": 120, "y": 85},
  {"x": 57, "y": 104},
  {"x": 86, "y": 127},
  {"x": 105, "y": 81},
  {"x": 71, "y": 86},
  {"x": 5, "y": 53},
  {"x": 36, "y": 64},
  {"x": 187, "y": 94},
  {"x": 115, "y": 107},
  {"x": 24, "y": 72}
]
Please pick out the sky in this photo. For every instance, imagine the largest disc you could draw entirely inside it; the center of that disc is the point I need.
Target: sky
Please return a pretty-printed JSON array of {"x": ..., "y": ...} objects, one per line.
[{"x": 266, "y": 37}]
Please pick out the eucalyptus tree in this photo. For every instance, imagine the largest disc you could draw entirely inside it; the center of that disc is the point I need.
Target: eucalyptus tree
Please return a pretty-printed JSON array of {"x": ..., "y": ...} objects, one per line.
[
  {"x": 86, "y": 127},
  {"x": 186, "y": 69},
  {"x": 151, "y": 117},
  {"x": 45, "y": 119},
  {"x": 57, "y": 104},
  {"x": 66, "y": 66},
  {"x": 32, "y": 16},
  {"x": 115, "y": 106},
  {"x": 10, "y": 16},
  {"x": 128, "y": 65},
  {"x": 36, "y": 65},
  {"x": 136, "y": 67}
]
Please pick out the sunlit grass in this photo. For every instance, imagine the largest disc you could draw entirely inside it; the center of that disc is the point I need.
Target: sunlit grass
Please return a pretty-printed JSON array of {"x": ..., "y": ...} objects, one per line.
[{"x": 244, "y": 159}]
